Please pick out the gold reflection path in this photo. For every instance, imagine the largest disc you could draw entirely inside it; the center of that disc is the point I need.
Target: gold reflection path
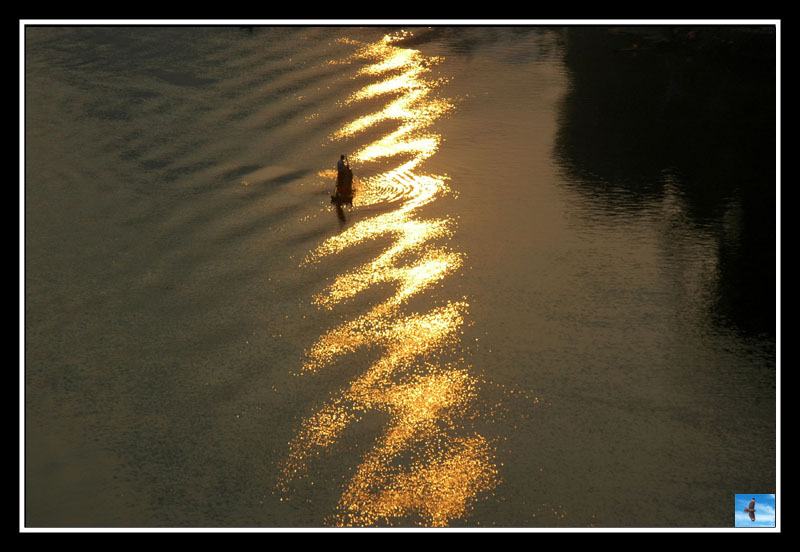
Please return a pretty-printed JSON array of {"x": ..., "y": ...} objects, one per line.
[{"x": 425, "y": 466}]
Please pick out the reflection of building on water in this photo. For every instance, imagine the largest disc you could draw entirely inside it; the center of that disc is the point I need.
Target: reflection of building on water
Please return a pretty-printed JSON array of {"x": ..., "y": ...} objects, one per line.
[
  {"x": 697, "y": 102},
  {"x": 424, "y": 466}
]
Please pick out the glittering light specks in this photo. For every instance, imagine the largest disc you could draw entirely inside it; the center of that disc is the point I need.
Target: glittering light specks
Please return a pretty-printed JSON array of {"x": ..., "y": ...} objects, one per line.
[{"x": 425, "y": 466}]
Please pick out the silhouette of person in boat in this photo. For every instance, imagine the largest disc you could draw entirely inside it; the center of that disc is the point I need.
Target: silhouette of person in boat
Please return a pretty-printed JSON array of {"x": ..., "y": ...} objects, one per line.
[{"x": 344, "y": 181}]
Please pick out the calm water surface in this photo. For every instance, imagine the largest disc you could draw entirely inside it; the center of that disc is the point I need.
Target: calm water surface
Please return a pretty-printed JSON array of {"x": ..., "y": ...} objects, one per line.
[{"x": 541, "y": 309}]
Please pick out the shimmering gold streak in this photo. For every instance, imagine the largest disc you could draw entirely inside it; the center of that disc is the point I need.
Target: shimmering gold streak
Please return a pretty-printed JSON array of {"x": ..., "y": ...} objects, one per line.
[
  {"x": 436, "y": 485},
  {"x": 438, "y": 488},
  {"x": 418, "y": 466},
  {"x": 404, "y": 340},
  {"x": 440, "y": 484},
  {"x": 408, "y": 232}
]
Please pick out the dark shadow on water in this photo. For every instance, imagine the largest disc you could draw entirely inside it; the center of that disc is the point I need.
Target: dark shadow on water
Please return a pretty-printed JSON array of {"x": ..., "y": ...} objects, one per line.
[
  {"x": 695, "y": 103},
  {"x": 340, "y": 215}
]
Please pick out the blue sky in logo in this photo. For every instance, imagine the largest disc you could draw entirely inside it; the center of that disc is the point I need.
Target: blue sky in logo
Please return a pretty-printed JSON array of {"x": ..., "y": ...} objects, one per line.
[{"x": 765, "y": 510}]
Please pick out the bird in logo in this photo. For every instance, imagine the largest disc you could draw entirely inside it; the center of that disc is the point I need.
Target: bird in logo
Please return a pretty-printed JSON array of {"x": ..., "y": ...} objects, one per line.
[{"x": 751, "y": 509}]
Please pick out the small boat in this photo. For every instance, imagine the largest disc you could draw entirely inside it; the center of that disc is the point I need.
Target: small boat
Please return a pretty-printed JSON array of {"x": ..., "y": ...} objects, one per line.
[
  {"x": 344, "y": 188},
  {"x": 342, "y": 199}
]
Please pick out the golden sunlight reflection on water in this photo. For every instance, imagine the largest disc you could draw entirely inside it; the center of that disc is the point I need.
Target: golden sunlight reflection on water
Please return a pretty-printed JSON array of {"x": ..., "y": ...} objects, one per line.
[{"x": 426, "y": 465}]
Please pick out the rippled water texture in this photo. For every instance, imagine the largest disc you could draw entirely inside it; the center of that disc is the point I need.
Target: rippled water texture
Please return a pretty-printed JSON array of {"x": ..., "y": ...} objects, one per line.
[{"x": 533, "y": 314}]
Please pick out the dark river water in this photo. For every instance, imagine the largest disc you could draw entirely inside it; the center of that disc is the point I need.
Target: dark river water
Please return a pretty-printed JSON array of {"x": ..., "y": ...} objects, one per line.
[{"x": 551, "y": 304}]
